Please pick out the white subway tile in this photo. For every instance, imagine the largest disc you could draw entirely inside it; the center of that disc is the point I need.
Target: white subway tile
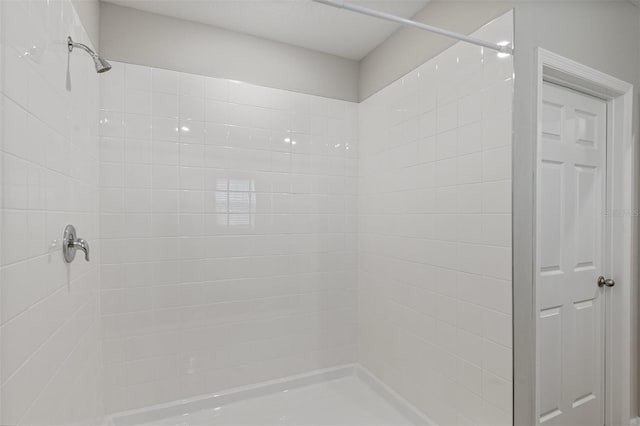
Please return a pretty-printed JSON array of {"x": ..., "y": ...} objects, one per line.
[
  {"x": 137, "y": 102},
  {"x": 164, "y": 104},
  {"x": 164, "y": 81},
  {"x": 50, "y": 178},
  {"x": 459, "y": 197},
  {"x": 191, "y": 85},
  {"x": 447, "y": 117}
]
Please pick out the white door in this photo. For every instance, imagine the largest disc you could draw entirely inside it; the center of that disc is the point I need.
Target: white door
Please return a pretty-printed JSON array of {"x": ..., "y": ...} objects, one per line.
[{"x": 570, "y": 235}]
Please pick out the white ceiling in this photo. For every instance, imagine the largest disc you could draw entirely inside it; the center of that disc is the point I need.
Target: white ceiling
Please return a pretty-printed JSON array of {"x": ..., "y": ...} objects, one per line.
[{"x": 299, "y": 22}]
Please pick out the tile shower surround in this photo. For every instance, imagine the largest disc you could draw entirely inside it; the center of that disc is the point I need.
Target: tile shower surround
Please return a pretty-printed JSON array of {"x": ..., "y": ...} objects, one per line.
[
  {"x": 435, "y": 234},
  {"x": 49, "y": 323},
  {"x": 228, "y": 225},
  {"x": 230, "y": 252}
]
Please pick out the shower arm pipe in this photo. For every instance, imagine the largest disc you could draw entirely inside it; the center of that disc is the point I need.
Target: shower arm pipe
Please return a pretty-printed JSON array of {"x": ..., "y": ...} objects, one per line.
[
  {"x": 72, "y": 44},
  {"x": 409, "y": 23}
]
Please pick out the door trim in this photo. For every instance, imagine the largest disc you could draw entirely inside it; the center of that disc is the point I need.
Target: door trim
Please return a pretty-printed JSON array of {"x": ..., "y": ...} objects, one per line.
[{"x": 621, "y": 240}]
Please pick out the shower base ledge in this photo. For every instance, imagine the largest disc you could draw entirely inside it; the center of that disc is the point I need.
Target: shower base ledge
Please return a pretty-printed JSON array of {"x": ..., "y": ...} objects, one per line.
[{"x": 158, "y": 413}]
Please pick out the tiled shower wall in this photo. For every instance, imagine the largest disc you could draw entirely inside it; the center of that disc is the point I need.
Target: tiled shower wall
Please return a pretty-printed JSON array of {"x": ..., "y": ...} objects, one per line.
[
  {"x": 228, "y": 225},
  {"x": 50, "y": 357},
  {"x": 229, "y": 219},
  {"x": 435, "y": 234}
]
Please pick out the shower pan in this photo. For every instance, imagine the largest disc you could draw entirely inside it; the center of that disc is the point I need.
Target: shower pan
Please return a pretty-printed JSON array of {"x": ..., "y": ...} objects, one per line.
[{"x": 251, "y": 254}]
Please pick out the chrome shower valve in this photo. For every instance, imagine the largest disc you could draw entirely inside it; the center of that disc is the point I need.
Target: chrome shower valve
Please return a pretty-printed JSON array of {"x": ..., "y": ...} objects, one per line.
[{"x": 70, "y": 244}]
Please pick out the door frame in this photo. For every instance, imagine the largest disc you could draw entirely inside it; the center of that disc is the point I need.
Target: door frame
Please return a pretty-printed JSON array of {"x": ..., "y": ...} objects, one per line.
[{"x": 620, "y": 238}]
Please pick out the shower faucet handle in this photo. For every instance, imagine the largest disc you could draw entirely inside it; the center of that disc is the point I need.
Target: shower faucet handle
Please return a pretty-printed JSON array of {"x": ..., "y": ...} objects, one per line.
[
  {"x": 70, "y": 244},
  {"x": 83, "y": 245}
]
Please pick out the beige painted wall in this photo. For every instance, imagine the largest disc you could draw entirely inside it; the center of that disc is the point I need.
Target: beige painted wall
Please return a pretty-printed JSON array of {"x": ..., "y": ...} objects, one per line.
[
  {"x": 89, "y": 13},
  {"x": 408, "y": 48},
  {"x": 603, "y": 35},
  {"x": 132, "y": 36}
]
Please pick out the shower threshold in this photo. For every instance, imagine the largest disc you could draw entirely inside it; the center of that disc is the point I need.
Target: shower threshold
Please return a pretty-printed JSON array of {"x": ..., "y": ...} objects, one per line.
[{"x": 346, "y": 395}]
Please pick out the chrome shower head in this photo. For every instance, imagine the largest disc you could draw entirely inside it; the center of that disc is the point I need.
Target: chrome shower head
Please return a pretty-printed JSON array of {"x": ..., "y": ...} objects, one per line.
[{"x": 101, "y": 64}]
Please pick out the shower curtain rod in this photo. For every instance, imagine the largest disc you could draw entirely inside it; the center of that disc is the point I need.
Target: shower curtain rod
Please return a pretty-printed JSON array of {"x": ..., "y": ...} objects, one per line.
[{"x": 408, "y": 22}]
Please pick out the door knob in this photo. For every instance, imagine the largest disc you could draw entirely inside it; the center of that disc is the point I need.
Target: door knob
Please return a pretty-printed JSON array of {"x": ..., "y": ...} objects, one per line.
[
  {"x": 605, "y": 282},
  {"x": 70, "y": 244}
]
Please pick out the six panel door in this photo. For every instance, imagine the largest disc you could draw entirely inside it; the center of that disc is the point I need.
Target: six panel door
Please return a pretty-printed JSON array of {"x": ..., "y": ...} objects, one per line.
[{"x": 570, "y": 212}]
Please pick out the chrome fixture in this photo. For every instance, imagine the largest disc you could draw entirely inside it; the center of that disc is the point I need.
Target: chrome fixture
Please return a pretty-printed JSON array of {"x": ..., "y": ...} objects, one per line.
[
  {"x": 605, "y": 282},
  {"x": 101, "y": 64},
  {"x": 70, "y": 243}
]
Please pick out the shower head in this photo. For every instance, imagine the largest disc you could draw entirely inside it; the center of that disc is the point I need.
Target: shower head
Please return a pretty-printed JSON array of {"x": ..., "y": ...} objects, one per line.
[{"x": 101, "y": 64}]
